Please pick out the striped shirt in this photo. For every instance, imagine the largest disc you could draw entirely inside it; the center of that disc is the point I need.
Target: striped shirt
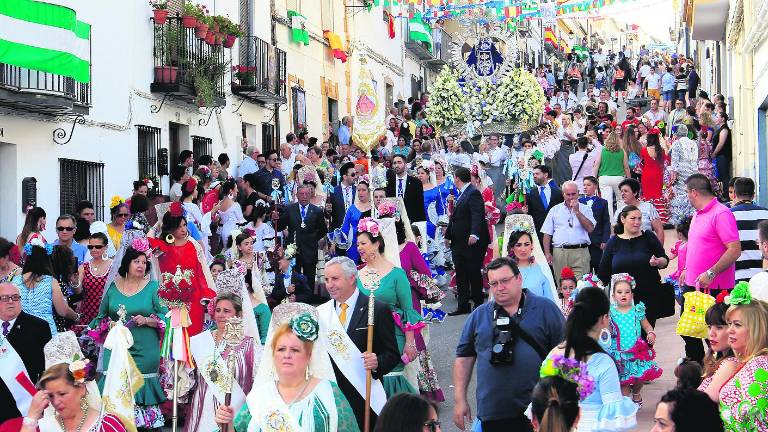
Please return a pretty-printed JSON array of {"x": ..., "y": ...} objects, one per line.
[{"x": 750, "y": 262}]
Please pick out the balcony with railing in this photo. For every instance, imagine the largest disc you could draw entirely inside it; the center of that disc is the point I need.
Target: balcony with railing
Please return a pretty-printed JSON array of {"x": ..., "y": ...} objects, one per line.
[
  {"x": 187, "y": 67},
  {"x": 441, "y": 50},
  {"x": 41, "y": 92},
  {"x": 261, "y": 75},
  {"x": 417, "y": 47}
]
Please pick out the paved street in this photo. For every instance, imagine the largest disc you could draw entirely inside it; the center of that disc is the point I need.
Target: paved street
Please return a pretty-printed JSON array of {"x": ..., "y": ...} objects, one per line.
[{"x": 443, "y": 338}]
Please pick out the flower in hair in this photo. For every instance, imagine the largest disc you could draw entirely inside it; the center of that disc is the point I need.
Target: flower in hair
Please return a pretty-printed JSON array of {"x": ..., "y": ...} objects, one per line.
[
  {"x": 514, "y": 205},
  {"x": 428, "y": 165},
  {"x": 79, "y": 368},
  {"x": 116, "y": 201},
  {"x": 140, "y": 244},
  {"x": 304, "y": 327},
  {"x": 570, "y": 370},
  {"x": 190, "y": 185},
  {"x": 589, "y": 280},
  {"x": 654, "y": 131},
  {"x": 567, "y": 273},
  {"x": 721, "y": 297},
  {"x": 249, "y": 232},
  {"x": 740, "y": 295},
  {"x": 365, "y": 178},
  {"x": 368, "y": 225},
  {"x": 387, "y": 208},
  {"x": 624, "y": 277},
  {"x": 148, "y": 183},
  {"x": 176, "y": 209}
]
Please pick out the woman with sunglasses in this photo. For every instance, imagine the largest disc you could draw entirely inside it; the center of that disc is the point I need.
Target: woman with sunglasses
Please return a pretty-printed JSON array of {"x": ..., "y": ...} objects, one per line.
[
  {"x": 407, "y": 412},
  {"x": 93, "y": 277},
  {"x": 120, "y": 213}
]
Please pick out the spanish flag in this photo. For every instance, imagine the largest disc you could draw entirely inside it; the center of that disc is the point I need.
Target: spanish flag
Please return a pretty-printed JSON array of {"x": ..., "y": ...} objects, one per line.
[
  {"x": 337, "y": 47},
  {"x": 549, "y": 37}
]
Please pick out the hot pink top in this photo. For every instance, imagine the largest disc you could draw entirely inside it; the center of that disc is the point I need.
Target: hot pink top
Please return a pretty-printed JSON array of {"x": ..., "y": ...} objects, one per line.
[
  {"x": 712, "y": 228},
  {"x": 679, "y": 250}
]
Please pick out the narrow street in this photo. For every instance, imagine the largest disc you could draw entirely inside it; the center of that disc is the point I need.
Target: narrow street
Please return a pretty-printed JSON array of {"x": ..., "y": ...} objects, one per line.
[{"x": 669, "y": 348}]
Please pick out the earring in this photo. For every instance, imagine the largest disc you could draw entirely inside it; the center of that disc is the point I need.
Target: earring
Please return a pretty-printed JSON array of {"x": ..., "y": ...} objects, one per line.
[
  {"x": 104, "y": 256},
  {"x": 170, "y": 239},
  {"x": 306, "y": 374},
  {"x": 605, "y": 337},
  {"x": 84, "y": 404}
]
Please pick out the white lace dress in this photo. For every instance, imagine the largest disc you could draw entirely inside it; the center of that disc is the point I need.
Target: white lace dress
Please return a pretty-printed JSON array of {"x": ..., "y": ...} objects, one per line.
[{"x": 229, "y": 220}]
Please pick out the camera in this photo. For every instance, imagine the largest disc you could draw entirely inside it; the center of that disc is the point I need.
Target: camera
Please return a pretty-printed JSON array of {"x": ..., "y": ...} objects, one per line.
[{"x": 504, "y": 338}]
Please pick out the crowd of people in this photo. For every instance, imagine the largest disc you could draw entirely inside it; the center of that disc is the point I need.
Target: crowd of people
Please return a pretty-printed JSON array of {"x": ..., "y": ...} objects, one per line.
[{"x": 259, "y": 295}]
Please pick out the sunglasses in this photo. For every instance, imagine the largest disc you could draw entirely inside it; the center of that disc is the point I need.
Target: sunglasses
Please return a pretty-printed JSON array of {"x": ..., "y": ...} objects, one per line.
[
  {"x": 65, "y": 228},
  {"x": 123, "y": 215},
  {"x": 95, "y": 246}
]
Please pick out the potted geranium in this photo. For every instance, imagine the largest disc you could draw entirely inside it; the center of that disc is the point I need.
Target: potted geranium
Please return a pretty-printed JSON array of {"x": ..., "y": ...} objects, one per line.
[
  {"x": 189, "y": 15},
  {"x": 234, "y": 31},
  {"x": 160, "y": 11},
  {"x": 203, "y": 24}
]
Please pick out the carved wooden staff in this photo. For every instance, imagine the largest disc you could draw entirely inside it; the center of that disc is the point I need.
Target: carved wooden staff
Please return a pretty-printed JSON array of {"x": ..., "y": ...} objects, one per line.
[
  {"x": 375, "y": 280},
  {"x": 233, "y": 335}
]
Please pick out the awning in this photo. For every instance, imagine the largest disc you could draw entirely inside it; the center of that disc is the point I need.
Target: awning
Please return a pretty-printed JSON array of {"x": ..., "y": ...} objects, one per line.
[{"x": 709, "y": 19}]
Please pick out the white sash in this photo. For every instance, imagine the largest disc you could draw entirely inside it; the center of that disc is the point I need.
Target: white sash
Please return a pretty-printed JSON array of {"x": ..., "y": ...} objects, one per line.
[
  {"x": 204, "y": 352},
  {"x": 11, "y": 366},
  {"x": 347, "y": 356}
]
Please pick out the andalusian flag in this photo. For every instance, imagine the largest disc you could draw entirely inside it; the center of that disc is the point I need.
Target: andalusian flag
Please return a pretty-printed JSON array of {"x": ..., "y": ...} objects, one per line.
[
  {"x": 419, "y": 30},
  {"x": 45, "y": 37},
  {"x": 299, "y": 31}
]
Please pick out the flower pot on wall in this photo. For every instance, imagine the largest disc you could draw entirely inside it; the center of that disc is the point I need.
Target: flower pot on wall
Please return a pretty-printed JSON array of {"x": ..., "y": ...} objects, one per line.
[
  {"x": 166, "y": 74},
  {"x": 161, "y": 16},
  {"x": 210, "y": 39},
  {"x": 229, "y": 41},
  {"x": 201, "y": 30},
  {"x": 188, "y": 21}
]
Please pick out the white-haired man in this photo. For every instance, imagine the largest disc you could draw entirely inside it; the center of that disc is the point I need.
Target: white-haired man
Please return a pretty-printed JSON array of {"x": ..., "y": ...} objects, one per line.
[
  {"x": 566, "y": 232},
  {"x": 22, "y": 337},
  {"x": 344, "y": 328}
]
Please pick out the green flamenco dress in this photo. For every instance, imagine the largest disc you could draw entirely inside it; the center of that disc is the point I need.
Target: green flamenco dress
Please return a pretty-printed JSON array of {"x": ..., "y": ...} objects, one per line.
[
  {"x": 145, "y": 350},
  {"x": 395, "y": 290}
]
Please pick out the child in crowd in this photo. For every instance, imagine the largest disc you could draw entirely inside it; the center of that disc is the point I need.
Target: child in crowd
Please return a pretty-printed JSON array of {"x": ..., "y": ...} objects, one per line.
[
  {"x": 567, "y": 285},
  {"x": 679, "y": 251},
  {"x": 218, "y": 265},
  {"x": 633, "y": 356},
  {"x": 688, "y": 373},
  {"x": 633, "y": 90}
]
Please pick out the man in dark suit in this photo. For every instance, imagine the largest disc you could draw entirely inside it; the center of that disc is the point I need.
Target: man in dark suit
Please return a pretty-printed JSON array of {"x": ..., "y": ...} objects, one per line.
[
  {"x": 306, "y": 226},
  {"x": 27, "y": 335},
  {"x": 409, "y": 188},
  {"x": 602, "y": 232},
  {"x": 342, "y": 197},
  {"x": 544, "y": 197},
  {"x": 351, "y": 307},
  {"x": 468, "y": 234},
  {"x": 291, "y": 284}
]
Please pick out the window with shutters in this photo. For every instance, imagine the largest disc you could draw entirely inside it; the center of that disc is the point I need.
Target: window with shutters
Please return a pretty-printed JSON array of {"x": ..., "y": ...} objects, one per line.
[
  {"x": 201, "y": 146},
  {"x": 78, "y": 181},
  {"x": 149, "y": 144},
  {"x": 268, "y": 138}
]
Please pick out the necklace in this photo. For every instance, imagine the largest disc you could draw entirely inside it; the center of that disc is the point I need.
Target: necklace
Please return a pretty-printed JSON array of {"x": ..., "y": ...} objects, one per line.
[
  {"x": 79, "y": 425},
  {"x": 303, "y": 388}
]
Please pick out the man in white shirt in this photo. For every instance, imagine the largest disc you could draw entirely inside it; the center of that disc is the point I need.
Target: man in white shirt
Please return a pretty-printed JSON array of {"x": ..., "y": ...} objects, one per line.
[
  {"x": 249, "y": 164},
  {"x": 653, "y": 84},
  {"x": 654, "y": 114},
  {"x": 606, "y": 97},
  {"x": 565, "y": 99},
  {"x": 494, "y": 158},
  {"x": 287, "y": 157},
  {"x": 566, "y": 232}
]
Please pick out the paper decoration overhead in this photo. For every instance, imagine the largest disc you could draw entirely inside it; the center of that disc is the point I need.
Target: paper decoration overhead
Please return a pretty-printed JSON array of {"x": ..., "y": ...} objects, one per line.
[{"x": 337, "y": 47}]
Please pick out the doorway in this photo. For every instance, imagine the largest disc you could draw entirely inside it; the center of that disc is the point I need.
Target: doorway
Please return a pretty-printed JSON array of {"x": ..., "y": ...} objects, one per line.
[{"x": 10, "y": 204}]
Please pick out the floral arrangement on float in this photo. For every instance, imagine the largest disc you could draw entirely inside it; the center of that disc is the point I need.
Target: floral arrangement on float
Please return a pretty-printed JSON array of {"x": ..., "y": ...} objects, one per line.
[{"x": 483, "y": 90}]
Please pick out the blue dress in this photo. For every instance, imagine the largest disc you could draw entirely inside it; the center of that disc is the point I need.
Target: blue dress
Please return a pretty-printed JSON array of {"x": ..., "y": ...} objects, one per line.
[
  {"x": 38, "y": 301},
  {"x": 445, "y": 189},
  {"x": 535, "y": 281},
  {"x": 606, "y": 409},
  {"x": 434, "y": 208},
  {"x": 349, "y": 230},
  {"x": 633, "y": 356}
]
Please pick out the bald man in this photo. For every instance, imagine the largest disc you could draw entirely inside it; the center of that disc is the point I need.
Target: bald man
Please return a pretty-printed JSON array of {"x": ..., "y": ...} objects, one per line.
[{"x": 26, "y": 335}]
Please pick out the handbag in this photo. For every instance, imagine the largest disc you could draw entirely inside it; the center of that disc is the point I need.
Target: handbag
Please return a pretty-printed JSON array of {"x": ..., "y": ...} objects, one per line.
[
  {"x": 666, "y": 303},
  {"x": 692, "y": 322}
]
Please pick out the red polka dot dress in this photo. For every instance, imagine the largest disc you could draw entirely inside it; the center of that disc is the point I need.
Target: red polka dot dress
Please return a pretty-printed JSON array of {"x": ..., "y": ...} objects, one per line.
[{"x": 93, "y": 291}]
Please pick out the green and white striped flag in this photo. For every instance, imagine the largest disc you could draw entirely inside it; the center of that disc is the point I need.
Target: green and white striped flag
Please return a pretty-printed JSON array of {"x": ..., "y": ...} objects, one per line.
[
  {"x": 45, "y": 37},
  {"x": 419, "y": 30}
]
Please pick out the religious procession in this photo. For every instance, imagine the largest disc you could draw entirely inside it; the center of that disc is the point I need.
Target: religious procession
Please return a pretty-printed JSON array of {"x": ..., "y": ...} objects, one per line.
[{"x": 383, "y": 216}]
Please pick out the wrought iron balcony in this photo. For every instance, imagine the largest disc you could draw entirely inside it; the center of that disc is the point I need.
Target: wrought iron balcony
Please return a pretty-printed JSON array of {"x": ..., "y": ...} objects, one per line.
[
  {"x": 419, "y": 48},
  {"x": 40, "y": 92},
  {"x": 187, "y": 67},
  {"x": 260, "y": 76},
  {"x": 441, "y": 51}
]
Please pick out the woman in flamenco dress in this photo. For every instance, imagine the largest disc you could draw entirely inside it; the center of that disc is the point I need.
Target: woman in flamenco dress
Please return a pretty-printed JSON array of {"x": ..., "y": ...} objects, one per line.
[{"x": 181, "y": 258}]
